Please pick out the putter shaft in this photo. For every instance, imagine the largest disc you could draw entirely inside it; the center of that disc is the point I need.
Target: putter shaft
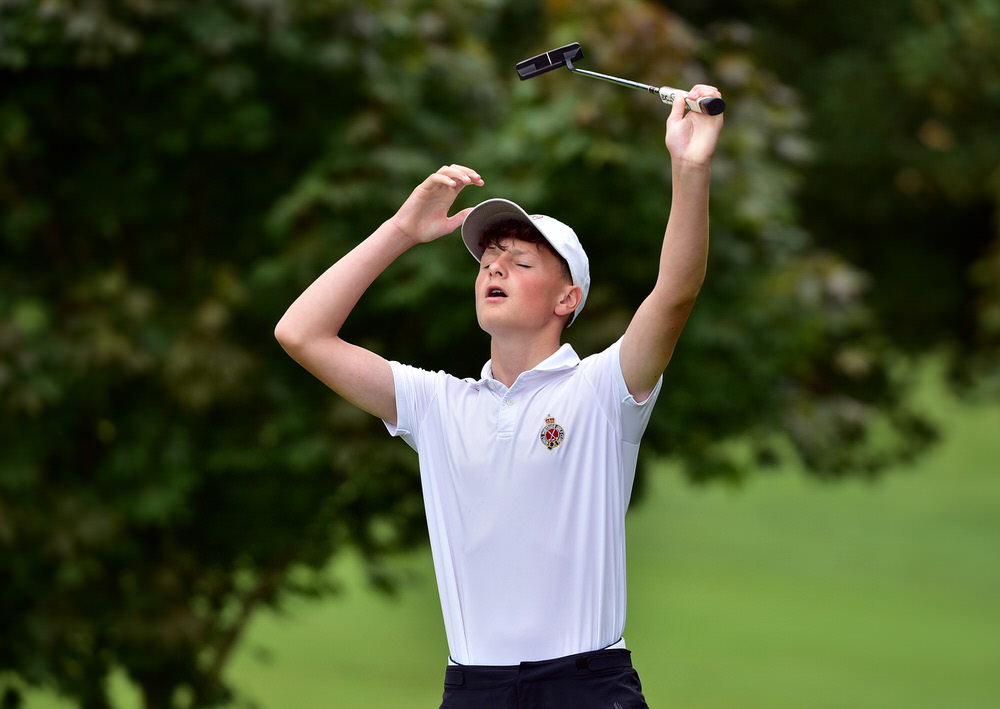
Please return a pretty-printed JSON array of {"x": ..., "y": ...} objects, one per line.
[{"x": 709, "y": 105}]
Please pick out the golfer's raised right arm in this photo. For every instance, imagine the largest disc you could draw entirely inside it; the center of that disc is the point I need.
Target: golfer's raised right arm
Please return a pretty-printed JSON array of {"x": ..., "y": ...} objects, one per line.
[{"x": 310, "y": 329}]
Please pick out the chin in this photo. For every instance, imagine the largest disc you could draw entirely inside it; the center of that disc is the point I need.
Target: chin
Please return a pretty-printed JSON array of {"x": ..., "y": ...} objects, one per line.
[
  {"x": 491, "y": 323},
  {"x": 486, "y": 324}
]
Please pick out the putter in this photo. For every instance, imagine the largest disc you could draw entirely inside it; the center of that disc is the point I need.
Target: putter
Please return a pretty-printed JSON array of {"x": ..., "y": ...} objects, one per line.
[{"x": 565, "y": 56}]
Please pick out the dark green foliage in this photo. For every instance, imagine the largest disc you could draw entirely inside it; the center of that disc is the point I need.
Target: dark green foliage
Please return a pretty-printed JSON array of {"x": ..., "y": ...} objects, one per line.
[{"x": 902, "y": 97}]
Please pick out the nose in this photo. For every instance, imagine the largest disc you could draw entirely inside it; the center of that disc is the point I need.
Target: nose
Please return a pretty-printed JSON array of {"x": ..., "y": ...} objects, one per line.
[{"x": 495, "y": 268}]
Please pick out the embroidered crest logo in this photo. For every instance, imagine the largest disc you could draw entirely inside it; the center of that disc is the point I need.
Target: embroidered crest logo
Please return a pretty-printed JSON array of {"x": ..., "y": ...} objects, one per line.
[{"x": 552, "y": 434}]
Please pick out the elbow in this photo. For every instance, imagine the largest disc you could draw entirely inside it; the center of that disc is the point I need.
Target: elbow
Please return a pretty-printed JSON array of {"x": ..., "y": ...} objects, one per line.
[
  {"x": 287, "y": 336},
  {"x": 690, "y": 298},
  {"x": 681, "y": 300},
  {"x": 693, "y": 287},
  {"x": 679, "y": 292},
  {"x": 300, "y": 344}
]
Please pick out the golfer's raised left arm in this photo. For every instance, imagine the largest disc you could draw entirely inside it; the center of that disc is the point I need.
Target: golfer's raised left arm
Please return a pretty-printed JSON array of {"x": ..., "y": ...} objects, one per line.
[{"x": 652, "y": 335}]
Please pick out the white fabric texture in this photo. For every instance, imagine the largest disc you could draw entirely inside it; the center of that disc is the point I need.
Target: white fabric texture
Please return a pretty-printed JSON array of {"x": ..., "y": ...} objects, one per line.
[{"x": 525, "y": 491}]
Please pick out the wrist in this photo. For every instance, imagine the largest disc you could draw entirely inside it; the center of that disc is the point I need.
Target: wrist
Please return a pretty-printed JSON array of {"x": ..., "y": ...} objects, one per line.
[
  {"x": 398, "y": 234},
  {"x": 690, "y": 176},
  {"x": 691, "y": 168},
  {"x": 394, "y": 237}
]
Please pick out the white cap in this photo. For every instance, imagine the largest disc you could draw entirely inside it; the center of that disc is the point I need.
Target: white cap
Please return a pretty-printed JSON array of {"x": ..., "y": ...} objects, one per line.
[{"x": 560, "y": 237}]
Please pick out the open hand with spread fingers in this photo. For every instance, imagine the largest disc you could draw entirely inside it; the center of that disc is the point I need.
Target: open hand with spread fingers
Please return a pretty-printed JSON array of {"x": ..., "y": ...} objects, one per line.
[{"x": 424, "y": 216}]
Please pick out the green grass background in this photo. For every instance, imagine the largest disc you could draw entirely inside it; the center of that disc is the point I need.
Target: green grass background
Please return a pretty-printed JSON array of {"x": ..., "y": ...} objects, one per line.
[{"x": 784, "y": 593}]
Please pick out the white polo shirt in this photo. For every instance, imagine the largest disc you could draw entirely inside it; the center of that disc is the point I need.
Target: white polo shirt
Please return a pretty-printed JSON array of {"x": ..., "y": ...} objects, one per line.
[{"x": 525, "y": 491}]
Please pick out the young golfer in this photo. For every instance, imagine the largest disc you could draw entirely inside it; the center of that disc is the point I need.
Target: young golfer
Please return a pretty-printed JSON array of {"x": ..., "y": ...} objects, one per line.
[{"x": 527, "y": 471}]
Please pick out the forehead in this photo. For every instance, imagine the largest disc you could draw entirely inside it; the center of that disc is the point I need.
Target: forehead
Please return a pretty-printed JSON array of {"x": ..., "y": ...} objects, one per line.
[{"x": 514, "y": 247}]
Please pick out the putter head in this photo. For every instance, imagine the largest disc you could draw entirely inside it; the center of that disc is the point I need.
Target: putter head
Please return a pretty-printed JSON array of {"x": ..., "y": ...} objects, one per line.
[{"x": 549, "y": 61}]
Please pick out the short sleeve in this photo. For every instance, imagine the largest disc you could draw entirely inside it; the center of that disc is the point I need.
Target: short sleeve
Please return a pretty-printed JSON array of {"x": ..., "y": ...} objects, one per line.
[
  {"x": 604, "y": 370},
  {"x": 415, "y": 390}
]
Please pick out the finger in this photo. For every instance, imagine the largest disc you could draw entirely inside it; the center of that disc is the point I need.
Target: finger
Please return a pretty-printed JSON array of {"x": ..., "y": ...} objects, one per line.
[
  {"x": 458, "y": 218},
  {"x": 474, "y": 177},
  {"x": 441, "y": 179},
  {"x": 460, "y": 174},
  {"x": 702, "y": 90},
  {"x": 676, "y": 110},
  {"x": 467, "y": 170}
]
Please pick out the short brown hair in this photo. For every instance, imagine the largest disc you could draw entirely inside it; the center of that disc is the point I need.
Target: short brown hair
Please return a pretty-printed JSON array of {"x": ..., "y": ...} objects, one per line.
[{"x": 496, "y": 232}]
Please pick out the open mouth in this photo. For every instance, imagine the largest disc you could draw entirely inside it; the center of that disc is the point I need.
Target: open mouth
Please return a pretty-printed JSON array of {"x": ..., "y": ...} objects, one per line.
[{"x": 495, "y": 292}]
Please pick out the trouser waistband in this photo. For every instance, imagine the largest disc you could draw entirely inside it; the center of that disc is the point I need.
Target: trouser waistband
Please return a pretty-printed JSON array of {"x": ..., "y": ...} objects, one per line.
[
  {"x": 486, "y": 676},
  {"x": 619, "y": 645}
]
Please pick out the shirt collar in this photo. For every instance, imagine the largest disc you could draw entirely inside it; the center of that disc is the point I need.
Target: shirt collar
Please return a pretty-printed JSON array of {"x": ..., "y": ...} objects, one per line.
[{"x": 563, "y": 358}]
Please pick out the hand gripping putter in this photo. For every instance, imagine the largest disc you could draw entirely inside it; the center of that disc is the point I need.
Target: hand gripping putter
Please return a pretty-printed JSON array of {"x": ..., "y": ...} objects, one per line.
[{"x": 565, "y": 56}]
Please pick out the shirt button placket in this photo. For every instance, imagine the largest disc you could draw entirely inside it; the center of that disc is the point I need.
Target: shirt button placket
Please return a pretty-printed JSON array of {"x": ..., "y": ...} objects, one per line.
[{"x": 507, "y": 417}]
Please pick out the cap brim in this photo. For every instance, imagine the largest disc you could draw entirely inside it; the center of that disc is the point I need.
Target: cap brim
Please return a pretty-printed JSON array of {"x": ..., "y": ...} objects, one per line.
[{"x": 481, "y": 216}]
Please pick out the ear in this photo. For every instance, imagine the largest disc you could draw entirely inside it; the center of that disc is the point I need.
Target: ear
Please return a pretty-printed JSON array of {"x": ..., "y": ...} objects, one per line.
[{"x": 569, "y": 299}]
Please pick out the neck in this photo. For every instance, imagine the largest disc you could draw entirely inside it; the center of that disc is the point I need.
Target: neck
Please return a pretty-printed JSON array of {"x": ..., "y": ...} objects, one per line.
[{"x": 510, "y": 357}]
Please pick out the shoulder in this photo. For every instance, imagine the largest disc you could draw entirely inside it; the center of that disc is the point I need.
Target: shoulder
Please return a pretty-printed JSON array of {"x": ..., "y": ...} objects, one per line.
[
  {"x": 604, "y": 371},
  {"x": 607, "y": 359},
  {"x": 439, "y": 379}
]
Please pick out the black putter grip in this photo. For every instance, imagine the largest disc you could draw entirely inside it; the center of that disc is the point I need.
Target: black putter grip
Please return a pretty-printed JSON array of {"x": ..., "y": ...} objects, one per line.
[{"x": 712, "y": 106}]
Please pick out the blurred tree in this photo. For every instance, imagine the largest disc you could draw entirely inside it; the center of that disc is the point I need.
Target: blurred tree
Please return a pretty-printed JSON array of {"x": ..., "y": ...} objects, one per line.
[
  {"x": 904, "y": 180},
  {"x": 173, "y": 174}
]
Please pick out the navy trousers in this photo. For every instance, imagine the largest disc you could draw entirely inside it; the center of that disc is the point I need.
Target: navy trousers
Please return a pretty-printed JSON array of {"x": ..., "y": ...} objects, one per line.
[{"x": 603, "y": 679}]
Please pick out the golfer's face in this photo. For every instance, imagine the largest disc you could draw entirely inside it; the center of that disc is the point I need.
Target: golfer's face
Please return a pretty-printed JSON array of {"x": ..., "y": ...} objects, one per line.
[{"x": 519, "y": 285}]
